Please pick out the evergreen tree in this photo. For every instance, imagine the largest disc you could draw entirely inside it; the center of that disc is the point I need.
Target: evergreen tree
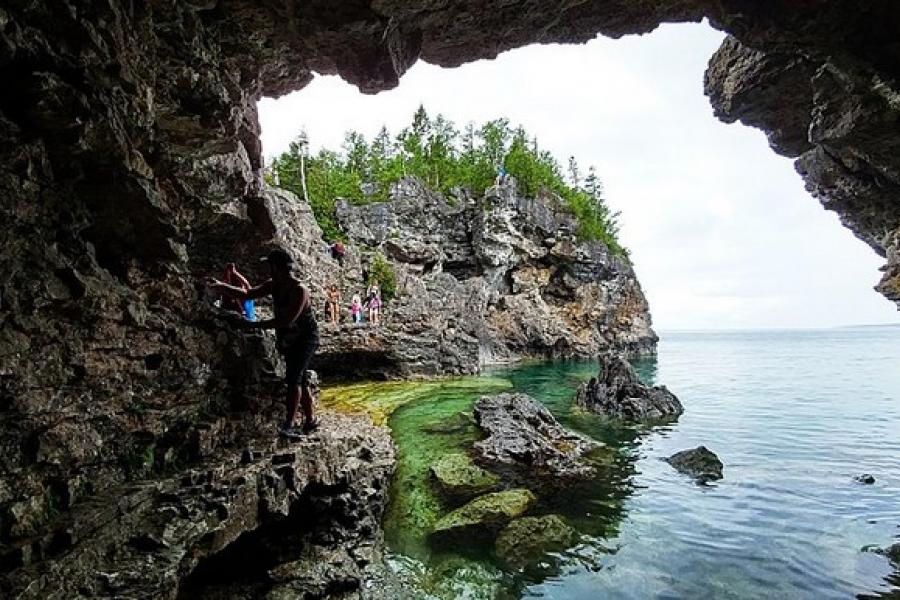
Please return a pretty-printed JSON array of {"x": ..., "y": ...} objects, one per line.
[
  {"x": 574, "y": 173},
  {"x": 434, "y": 151}
]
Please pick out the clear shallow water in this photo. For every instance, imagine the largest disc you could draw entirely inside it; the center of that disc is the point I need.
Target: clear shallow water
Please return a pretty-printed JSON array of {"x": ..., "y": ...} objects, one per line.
[{"x": 794, "y": 415}]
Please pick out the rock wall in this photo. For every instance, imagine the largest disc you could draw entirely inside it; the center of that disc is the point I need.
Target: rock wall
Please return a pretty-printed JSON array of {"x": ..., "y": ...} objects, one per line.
[
  {"x": 483, "y": 280},
  {"x": 130, "y": 166}
]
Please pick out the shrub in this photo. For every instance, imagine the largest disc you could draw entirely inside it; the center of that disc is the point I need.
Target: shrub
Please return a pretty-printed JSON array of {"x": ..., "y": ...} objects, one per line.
[{"x": 382, "y": 272}]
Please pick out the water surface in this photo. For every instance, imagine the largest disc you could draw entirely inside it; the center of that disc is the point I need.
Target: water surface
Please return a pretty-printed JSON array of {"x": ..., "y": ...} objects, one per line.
[{"x": 794, "y": 415}]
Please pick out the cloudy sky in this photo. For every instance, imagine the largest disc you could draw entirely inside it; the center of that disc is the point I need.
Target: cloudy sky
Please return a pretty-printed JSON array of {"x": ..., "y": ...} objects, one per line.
[{"x": 721, "y": 231}]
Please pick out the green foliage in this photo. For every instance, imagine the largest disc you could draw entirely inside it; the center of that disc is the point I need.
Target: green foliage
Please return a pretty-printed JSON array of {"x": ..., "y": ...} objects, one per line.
[
  {"x": 382, "y": 272},
  {"x": 444, "y": 158}
]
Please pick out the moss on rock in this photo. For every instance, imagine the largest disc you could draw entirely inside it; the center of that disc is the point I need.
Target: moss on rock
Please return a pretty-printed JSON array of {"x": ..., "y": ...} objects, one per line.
[
  {"x": 484, "y": 515},
  {"x": 458, "y": 478},
  {"x": 528, "y": 539}
]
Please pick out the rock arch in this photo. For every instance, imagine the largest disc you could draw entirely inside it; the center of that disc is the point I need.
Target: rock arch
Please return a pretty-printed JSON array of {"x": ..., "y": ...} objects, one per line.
[{"x": 130, "y": 162}]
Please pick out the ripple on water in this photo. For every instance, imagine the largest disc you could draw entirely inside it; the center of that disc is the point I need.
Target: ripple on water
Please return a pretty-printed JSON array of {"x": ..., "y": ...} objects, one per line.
[{"x": 793, "y": 415}]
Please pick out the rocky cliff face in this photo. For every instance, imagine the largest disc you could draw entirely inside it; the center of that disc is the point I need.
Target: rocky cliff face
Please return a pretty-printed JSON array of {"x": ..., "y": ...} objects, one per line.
[
  {"x": 129, "y": 167},
  {"x": 483, "y": 280}
]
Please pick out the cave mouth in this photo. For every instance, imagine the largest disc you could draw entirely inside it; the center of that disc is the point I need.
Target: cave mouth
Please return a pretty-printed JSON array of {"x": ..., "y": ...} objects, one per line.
[{"x": 700, "y": 201}]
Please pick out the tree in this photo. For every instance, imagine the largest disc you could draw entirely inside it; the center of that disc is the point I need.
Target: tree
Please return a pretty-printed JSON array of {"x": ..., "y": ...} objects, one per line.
[
  {"x": 574, "y": 173},
  {"x": 303, "y": 150},
  {"x": 434, "y": 151}
]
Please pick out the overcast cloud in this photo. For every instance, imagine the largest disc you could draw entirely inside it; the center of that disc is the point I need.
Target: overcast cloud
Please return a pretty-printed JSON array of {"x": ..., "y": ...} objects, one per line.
[{"x": 721, "y": 230}]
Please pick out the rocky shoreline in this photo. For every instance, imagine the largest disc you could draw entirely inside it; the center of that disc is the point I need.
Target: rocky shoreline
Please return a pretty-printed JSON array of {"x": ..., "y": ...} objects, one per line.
[
  {"x": 308, "y": 513},
  {"x": 489, "y": 279}
]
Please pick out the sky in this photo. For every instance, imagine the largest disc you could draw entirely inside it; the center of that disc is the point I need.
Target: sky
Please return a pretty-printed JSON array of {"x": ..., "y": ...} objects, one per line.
[{"x": 721, "y": 231}]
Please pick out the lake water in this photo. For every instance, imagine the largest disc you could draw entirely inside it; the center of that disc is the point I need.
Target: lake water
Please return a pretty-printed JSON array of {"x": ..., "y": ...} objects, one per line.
[{"x": 794, "y": 416}]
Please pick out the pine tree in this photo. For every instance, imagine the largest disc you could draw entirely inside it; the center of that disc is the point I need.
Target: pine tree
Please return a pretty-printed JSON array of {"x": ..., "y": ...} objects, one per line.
[
  {"x": 433, "y": 150},
  {"x": 574, "y": 174}
]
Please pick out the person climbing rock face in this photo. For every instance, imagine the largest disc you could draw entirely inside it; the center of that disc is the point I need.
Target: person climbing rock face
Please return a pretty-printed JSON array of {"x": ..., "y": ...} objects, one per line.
[
  {"x": 296, "y": 330},
  {"x": 233, "y": 278}
]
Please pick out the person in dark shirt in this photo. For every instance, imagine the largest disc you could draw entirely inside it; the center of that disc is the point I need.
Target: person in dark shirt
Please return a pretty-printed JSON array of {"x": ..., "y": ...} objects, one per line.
[{"x": 296, "y": 331}]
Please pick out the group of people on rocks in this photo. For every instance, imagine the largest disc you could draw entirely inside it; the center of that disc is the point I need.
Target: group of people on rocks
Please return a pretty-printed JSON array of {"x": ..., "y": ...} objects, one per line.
[
  {"x": 362, "y": 307},
  {"x": 294, "y": 322}
]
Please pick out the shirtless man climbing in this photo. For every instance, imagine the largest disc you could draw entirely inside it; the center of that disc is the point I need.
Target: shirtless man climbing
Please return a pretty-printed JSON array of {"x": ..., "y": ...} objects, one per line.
[{"x": 296, "y": 331}]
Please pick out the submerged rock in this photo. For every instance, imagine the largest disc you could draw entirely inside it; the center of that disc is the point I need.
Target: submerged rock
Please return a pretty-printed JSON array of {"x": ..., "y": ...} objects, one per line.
[
  {"x": 459, "y": 478},
  {"x": 528, "y": 539},
  {"x": 483, "y": 516},
  {"x": 892, "y": 553},
  {"x": 456, "y": 424},
  {"x": 700, "y": 463},
  {"x": 618, "y": 392},
  {"x": 526, "y": 444}
]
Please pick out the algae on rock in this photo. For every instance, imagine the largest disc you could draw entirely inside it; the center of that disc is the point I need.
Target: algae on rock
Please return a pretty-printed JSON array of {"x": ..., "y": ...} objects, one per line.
[
  {"x": 483, "y": 516},
  {"x": 458, "y": 478},
  {"x": 528, "y": 539}
]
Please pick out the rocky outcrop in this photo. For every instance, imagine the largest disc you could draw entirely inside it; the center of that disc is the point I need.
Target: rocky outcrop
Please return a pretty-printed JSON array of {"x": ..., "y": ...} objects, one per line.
[
  {"x": 526, "y": 445},
  {"x": 619, "y": 393},
  {"x": 485, "y": 280},
  {"x": 259, "y": 520},
  {"x": 700, "y": 463},
  {"x": 529, "y": 539},
  {"x": 458, "y": 478},
  {"x": 482, "y": 517}
]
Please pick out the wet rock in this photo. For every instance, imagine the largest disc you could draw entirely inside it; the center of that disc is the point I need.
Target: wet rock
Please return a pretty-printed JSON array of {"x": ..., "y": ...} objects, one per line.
[
  {"x": 892, "y": 553},
  {"x": 700, "y": 463},
  {"x": 618, "y": 392},
  {"x": 483, "y": 516},
  {"x": 458, "y": 478},
  {"x": 865, "y": 478},
  {"x": 528, "y": 539},
  {"x": 526, "y": 445}
]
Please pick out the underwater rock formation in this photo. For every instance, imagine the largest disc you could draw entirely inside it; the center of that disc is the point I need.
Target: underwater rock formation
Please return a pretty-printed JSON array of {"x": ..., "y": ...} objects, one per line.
[
  {"x": 700, "y": 463},
  {"x": 530, "y": 538},
  {"x": 482, "y": 517},
  {"x": 526, "y": 445},
  {"x": 458, "y": 478},
  {"x": 618, "y": 392}
]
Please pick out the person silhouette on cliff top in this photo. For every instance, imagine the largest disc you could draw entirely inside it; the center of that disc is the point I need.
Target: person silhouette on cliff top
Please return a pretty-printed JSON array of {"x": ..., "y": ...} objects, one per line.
[{"x": 296, "y": 330}]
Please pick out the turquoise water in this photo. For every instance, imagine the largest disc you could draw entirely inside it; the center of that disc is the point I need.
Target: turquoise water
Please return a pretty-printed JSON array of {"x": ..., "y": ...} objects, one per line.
[{"x": 794, "y": 415}]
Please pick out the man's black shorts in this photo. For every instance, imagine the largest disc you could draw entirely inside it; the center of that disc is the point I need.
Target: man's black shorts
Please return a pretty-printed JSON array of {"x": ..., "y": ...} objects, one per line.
[{"x": 296, "y": 359}]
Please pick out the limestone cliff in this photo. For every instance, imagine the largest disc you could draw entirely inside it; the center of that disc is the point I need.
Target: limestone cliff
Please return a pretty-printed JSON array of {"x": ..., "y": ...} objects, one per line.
[{"x": 483, "y": 280}]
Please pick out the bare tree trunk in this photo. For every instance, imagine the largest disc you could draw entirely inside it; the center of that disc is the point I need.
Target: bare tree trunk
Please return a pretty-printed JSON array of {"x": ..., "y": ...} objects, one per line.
[{"x": 303, "y": 178}]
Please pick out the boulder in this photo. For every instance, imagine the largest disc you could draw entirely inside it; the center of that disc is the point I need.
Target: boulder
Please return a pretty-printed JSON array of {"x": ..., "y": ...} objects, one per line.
[
  {"x": 526, "y": 445},
  {"x": 528, "y": 539},
  {"x": 700, "y": 463},
  {"x": 458, "y": 478},
  {"x": 483, "y": 516},
  {"x": 618, "y": 392},
  {"x": 458, "y": 423}
]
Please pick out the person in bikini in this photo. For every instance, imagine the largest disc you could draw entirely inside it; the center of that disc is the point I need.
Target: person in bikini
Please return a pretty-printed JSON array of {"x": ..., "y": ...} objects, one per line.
[
  {"x": 296, "y": 331},
  {"x": 333, "y": 300}
]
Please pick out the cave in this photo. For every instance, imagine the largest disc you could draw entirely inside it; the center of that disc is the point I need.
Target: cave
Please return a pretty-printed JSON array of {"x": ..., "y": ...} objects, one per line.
[{"x": 131, "y": 161}]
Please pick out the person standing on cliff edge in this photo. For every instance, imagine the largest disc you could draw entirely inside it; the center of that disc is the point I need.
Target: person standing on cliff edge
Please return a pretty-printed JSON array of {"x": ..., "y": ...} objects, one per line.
[{"x": 296, "y": 330}]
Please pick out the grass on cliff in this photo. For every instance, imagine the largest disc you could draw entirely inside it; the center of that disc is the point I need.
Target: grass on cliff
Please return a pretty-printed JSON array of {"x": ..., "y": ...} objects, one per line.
[{"x": 435, "y": 151}]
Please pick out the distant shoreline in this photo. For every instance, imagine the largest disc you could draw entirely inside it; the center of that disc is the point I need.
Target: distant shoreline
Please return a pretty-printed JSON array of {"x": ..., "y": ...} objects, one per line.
[{"x": 775, "y": 329}]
